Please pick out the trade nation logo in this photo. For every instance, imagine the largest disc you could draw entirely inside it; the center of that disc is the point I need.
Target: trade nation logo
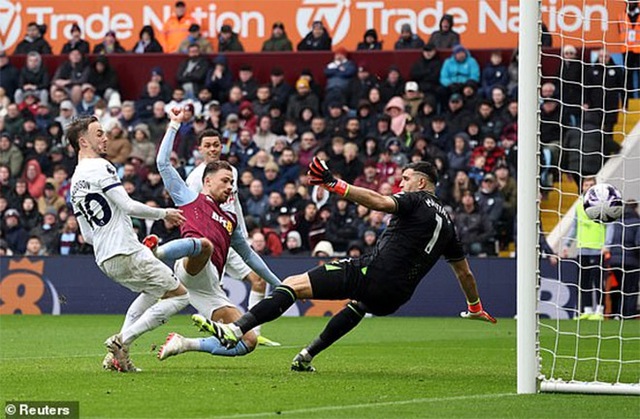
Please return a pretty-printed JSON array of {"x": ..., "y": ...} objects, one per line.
[
  {"x": 334, "y": 14},
  {"x": 10, "y": 23}
]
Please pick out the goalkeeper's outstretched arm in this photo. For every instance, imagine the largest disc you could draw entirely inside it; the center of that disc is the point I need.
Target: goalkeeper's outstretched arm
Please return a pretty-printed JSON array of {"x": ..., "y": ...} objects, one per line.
[{"x": 468, "y": 284}]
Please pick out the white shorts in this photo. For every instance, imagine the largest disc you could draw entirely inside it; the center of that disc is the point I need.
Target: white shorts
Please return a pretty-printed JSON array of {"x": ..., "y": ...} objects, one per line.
[
  {"x": 141, "y": 271},
  {"x": 205, "y": 292},
  {"x": 236, "y": 267}
]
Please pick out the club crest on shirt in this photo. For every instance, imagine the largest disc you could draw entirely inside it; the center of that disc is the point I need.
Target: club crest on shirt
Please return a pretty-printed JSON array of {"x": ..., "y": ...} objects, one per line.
[{"x": 111, "y": 170}]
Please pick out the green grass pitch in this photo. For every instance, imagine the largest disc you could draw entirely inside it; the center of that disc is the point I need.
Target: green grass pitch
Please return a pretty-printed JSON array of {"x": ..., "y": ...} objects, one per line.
[{"x": 387, "y": 367}]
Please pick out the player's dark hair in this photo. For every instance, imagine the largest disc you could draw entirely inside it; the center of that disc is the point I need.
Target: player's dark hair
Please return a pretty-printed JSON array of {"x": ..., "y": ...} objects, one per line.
[
  {"x": 426, "y": 168},
  {"x": 214, "y": 166},
  {"x": 77, "y": 128},
  {"x": 210, "y": 132}
]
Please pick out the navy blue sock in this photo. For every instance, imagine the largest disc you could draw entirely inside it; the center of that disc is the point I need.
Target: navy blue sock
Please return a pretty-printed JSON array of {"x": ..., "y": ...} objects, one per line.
[{"x": 268, "y": 309}]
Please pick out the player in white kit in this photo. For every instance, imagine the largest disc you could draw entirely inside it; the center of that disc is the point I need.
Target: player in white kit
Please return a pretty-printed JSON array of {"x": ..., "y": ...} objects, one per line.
[
  {"x": 103, "y": 210},
  {"x": 210, "y": 146}
]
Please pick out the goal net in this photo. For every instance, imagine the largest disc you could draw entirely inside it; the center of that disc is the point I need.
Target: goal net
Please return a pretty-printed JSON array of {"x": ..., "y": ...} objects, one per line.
[{"x": 588, "y": 111}]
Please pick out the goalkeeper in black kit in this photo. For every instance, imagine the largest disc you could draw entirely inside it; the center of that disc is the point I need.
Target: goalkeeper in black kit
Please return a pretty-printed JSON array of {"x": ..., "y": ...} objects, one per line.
[{"x": 419, "y": 232}]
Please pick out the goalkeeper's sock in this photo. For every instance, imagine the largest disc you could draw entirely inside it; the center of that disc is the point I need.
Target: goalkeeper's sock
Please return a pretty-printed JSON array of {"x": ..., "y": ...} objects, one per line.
[
  {"x": 155, "y": 316},
  {"x": 254, "y": 298},
  {"x": 137, "y": 309},
  {"x": 177, "y": 249},
  {"x": 266, "y": 310},
  {"x": 212, "y": 345},
  {"x": 339, "y": 325}
]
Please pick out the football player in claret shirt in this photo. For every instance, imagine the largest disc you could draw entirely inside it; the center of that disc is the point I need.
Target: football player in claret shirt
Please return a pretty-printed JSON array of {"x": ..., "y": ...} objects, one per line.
[
  {"x": 200, "y": 256},
  {"x": 419, "y": 232}
]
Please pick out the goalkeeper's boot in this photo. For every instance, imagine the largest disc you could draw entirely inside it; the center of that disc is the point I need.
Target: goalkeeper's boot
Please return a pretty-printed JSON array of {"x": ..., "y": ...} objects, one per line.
[
  {"x": 584, "y": 316},
  {"x": 596, "y": 317},
  {"x": 302, "y": 363},
  {"x": 120, "y": 352},
  {"x": 172, "y": 346},
  {"x": 220, "y": 331},
  {"x": 267, "y": 342},
  {"x": 151, "y": 241}
]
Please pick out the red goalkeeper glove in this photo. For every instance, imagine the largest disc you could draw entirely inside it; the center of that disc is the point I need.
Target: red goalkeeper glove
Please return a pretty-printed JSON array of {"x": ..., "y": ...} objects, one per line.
[
  {"x": 319, "y": 174},
  {"x": 476, "y": 312}
]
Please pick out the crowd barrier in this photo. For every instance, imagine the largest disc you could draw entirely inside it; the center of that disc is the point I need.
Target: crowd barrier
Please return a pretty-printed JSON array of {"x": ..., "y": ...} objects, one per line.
[
  {"x": 135, "y": 70},
  {"x": 75, "y": 285}
]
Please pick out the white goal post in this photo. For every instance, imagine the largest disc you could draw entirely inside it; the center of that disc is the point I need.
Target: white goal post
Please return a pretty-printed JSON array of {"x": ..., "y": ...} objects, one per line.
[{"x": 570, "y": 355}]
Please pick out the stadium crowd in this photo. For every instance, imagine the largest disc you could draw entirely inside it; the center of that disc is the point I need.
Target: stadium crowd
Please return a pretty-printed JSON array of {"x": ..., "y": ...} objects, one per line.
[{"x": 449, "y": 109}]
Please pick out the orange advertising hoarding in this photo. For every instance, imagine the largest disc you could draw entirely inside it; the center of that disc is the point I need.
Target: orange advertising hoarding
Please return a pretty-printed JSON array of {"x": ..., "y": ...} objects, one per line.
[{"x": 481, "y": 23}]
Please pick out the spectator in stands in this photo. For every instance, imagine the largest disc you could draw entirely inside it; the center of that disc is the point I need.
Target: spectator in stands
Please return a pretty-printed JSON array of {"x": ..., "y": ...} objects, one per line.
[
  {"x": 343, "y": 225},
  {"x": 339, "y": 73},
  {"x": 408, "y": 39},
  {"x": 6, "y": 182},
  {"x": 89, "y": 100},
  {"x": 457, "y": 116},
  {"x": 118, "y": 147},
  {"x": 489, "y": 123},
  {"x": 147, "y": 42},
  {"x": 33, "y": 41},
  {"x": 195, "y": 37},
  {"x": 71, "y": 74},
  {"x": 303, "y": 98},
  {"x": 34, "y": 77},
  {"x": 473, "y": 226},
  {"x": 192, "y": 71},
  {"x": 460, "y": 156},
  {"x": 586, "y": 148},
  {"x": 279, "y": 41},
  {"x": 34, "y": 178},
  {"x": 257, "y": 202},
  {"x": 493, "y": 153},
  {"x": 219, "y": 78},
  {"x": 426, "y": 71},
  {"x": 9, "y": 75},
  {"x": 71, "y": 240},
  {"x": 10, "y": 155},
  {"x": 157, "y": 75},
  {"x": 507, "y": 185},
  {"x": 13, "y": 120},
  {"x": 103, "y": 77},
  {"x": 499, "y": 100},
  {"x": 30, "y": 217},
  {"x": 264, "y": 138},
  {"x": 369, "y": 178},
  {"x": 458, "y": 69},
  {"x": 512, "y": 70},
  {"x": 412, "y": 97},
  {"x": 176, "y": 28},
  {"x": 128, "y": 119},
  {"x": 375, "y": 100},
  {"x": 76, "y": 42},
  {"x": 146, "y": 102},
  {"x": 395, "y": 110},
  {"x": 358, "y": 88},
  {"x": 370, "y": 41},
  {"x": 393, "y": 85},
  {"x": 263, "y": 100},
  {"x": 232, "y": 105},
  {"x": 228, "y": 40},
  {"x": 47, "y": 231},
  {"x": 570, "y": 85},
  {"x": 280, "y": 89},
  {"x": 550, "y": 138},
  {"x": 110, "y": 45},
  {"x": 152, "y": 188},
  {"x": 446, "y": 37},
  {"x": 493, "y": 74},
  {"x": 316, "y": 40},
  {"x": 67, "y": 113},
  {"x": 605, "y": 83},
  {"x": 14, "y": 234},
  {"x": 270, "y": 217},
  {"x": 490, "y": 200},
  {"x": 247, "y": 82}
]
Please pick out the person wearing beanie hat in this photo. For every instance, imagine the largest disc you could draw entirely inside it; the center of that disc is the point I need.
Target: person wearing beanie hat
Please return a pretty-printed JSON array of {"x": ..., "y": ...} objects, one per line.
[
  {"x": 303, "y": 98},
  {"x": 279, "y": 41},
  {"x": 147, "y": 43},
  {"x": 445, "y": 37},
  {"x": 459, "y": 68},
  {"x": 293, "y": 244},
  {"x": 370, "y": 41},
  {"x": 142, "y": 145},
  {"x": 76, "y": 41},
  {"x": 324, "y": 249},
  {"x": 408, "y": 39},
  {"x": 339, "y": 73},
  {"x": 110, "y": 45},
  {"x": 419, "y": 233},
  {"x": 195, "y": 37},
  {"x": 317, "y": 39}
]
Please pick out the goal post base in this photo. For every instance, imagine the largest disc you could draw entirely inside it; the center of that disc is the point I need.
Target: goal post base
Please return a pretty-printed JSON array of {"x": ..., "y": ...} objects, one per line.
[{"x": 558, "y": 386}]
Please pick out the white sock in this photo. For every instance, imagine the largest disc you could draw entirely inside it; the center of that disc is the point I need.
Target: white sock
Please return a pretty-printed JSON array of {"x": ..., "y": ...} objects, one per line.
[
  {"x": 588, "y": 310},
  {"x": 254, "y": 298},
  {"x": 599, "y": 309},
  {"x": 155, "y": 316},
  {"x": 137, "y": 308}
]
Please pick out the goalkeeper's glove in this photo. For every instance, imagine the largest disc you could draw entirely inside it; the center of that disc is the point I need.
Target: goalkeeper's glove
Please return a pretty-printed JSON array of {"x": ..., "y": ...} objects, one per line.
[
  {"x": 319, "y": 174},
  {"x": 476, "y": 312}
]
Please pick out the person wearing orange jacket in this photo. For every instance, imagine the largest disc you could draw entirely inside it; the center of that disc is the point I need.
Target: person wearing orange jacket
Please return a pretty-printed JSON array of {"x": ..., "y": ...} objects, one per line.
[
  {"x": 629, "y": 28},
  {"x": 176, "y": 28}
]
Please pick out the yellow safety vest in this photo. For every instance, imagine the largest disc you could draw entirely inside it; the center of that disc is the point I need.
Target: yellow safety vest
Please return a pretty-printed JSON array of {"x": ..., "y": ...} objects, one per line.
[{"x": 590, "y": 235}]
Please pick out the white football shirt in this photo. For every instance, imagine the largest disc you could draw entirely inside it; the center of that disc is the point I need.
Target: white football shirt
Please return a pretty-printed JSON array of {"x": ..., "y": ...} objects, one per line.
[
  {"x": 232, "y": 205},
  {"x": 111, "y": 228}
]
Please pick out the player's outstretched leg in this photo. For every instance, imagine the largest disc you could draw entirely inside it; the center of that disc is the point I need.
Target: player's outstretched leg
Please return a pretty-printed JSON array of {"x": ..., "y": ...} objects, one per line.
[
  {"x": 257, "y": 294},
  {"x": 177, "y": 344},
  {"x": 339, "y": 325},
  {"x": 173, "y": 250},
  {"x": 267, "y": 310}
]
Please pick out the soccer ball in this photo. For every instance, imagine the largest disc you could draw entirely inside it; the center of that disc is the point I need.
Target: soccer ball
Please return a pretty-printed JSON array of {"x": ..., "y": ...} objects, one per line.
[{"x": 603, "y": 203}]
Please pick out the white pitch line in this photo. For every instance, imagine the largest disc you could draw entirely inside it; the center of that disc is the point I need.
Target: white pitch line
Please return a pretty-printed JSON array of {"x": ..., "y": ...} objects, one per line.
[{"x": 366, "y": 405}]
